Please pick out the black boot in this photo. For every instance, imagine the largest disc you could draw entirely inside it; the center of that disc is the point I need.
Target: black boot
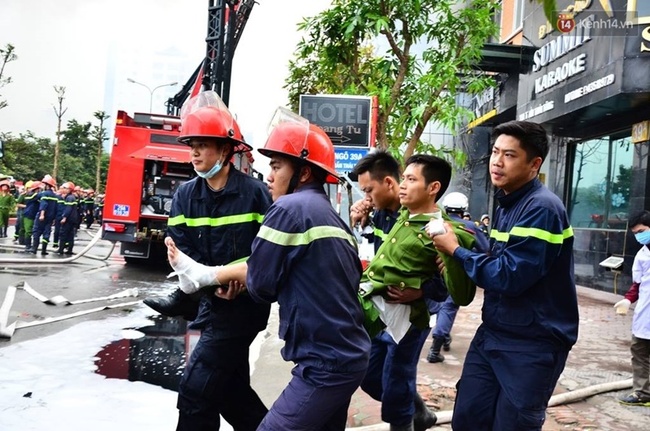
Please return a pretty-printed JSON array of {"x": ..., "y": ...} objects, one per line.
[
  {"x": 447, "y": 344},
  {"x": 434, "y": 355},
  {"x": 424, "y": 418},
  {"x": 44, "y": 249},
  {"x": 407, "y": 427},
  {"x": 175, "y": 304},
  {"x": 60, "y": 250}
]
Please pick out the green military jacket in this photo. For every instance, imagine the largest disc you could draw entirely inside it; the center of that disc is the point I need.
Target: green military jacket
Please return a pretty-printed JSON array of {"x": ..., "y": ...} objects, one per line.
[{"x": 407, "y": 258}]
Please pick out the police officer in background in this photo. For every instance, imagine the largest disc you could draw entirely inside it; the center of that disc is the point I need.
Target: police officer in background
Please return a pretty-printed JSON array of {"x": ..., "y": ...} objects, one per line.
[{"x": 68, "y": 220}]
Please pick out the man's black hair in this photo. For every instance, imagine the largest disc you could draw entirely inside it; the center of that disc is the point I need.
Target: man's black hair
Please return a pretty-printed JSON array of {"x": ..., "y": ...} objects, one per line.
[
  {"x": 433, "y": 169},
  {"x": 532, "y": 137},
  {"x": 642, "y": 217},
  {"x": 379, "y": 164}
]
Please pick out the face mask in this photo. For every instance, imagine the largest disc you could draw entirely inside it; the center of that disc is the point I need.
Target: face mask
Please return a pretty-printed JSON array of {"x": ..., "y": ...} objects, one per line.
[
  {"x": 212, "y": 172},
  {"x": 643, "y": 237}
]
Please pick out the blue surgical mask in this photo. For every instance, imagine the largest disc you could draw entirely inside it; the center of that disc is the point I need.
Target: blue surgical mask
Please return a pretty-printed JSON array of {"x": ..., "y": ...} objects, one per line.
[
  {"x": 643, "y": 237},
  {"x": 212, "y": 172}
]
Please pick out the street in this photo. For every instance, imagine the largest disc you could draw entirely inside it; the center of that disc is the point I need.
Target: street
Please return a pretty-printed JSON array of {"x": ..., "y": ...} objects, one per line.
[{"x": 116, "y": 368}]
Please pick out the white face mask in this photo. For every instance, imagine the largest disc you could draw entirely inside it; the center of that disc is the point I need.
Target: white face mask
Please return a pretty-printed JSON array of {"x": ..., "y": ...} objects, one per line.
[{"x": 212, "y": 172}]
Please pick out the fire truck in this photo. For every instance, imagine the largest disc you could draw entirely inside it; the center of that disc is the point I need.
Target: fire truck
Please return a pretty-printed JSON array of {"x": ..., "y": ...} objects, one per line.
[{"x": 147, "y": 164}]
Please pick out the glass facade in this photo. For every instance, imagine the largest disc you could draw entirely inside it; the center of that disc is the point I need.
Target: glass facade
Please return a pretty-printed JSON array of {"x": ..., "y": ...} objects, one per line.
[{"x": 599, "y": 206}]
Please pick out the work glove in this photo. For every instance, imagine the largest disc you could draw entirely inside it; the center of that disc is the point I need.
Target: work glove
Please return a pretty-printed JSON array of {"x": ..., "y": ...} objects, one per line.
[{"x": 622, "y": 306}]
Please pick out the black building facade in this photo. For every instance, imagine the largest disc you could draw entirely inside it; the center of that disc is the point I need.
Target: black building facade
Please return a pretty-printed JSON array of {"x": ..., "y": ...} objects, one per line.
[{"x": 590, "y": 88}]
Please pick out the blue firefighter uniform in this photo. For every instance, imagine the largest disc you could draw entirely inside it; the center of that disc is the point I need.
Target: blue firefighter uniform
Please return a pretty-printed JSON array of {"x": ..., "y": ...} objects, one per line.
[
  {"x": 68, "y": 223},
  {"x": 60, "y": 208},
  {"x": 530, "y": 314},
  {"x": 305, "y": 258},
  {"x": 215, "y": 228},
  {"x": 42, "y": 228}
]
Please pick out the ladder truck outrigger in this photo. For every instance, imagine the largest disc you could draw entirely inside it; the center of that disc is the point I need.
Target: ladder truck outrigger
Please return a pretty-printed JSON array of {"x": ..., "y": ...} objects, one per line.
[{"x": 147, "y": 164}]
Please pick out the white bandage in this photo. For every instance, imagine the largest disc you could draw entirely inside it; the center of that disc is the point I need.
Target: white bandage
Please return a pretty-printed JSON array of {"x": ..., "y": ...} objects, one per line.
[
  {"x": 193, "y": 275},
  {"x": 436, "y": 225}
]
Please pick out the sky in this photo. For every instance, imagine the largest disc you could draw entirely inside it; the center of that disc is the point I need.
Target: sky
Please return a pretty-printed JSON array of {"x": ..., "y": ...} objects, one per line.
[{"x": 77, "y": 43}]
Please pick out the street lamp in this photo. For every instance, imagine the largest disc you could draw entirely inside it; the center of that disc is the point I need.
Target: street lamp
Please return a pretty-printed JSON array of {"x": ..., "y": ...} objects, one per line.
[{"x": 133, "y": 81}]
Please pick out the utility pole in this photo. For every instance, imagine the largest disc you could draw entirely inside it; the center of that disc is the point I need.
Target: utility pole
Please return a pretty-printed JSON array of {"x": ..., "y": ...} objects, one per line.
[
  {"x": 101, "y": 116},
  {"x": 60, "y": 96}
]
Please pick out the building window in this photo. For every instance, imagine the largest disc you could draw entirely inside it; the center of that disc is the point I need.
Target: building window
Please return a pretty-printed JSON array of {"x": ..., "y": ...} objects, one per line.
[
  {"x": 518, "y": 15},
  {"x": 600, "y": 190},
  {"x": 638, "y": 11}
]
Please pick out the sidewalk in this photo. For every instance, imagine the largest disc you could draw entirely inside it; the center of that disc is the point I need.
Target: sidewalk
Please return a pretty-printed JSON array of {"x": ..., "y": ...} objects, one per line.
[{"x": 600, "y": 355}]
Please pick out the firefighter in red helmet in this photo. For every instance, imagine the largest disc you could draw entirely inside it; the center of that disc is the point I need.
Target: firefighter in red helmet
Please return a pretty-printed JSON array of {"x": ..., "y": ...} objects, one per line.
[
  {"x": 321, "y": 320},
  {"x": 214, "y": 218},
  {"x": 45, "y": 216}
]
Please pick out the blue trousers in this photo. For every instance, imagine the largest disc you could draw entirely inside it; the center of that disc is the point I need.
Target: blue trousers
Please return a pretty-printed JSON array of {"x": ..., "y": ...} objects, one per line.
[
  {"x": 504, "y": 390},
  {"x": 314, "y": 399},
  {"x": 41, "y": 228},
  {"x": 392, "y": 372},
  {"x": 445, "y": 316},
  {"x": 217, "y": 381}
]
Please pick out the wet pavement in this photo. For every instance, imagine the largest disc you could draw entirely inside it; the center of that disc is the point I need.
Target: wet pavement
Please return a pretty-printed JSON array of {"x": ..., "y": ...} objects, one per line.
[
  {"x": 154, "y": 352},
  {"x": 600, "y": 355}
]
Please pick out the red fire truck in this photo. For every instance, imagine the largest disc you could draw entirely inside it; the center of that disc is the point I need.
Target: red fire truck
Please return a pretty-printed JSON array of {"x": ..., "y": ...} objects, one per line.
[{"x": 147, "y": 164}]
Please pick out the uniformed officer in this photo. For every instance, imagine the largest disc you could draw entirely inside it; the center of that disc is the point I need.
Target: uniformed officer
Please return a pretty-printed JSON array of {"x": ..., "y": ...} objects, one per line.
[
  {"x": 214, "y": 218},
  {"x": 530, "y": 306},
  {"x": 68, "y": 219},
  {"x": 305, "y": 258},
  {"x": 45, "y": 216}
]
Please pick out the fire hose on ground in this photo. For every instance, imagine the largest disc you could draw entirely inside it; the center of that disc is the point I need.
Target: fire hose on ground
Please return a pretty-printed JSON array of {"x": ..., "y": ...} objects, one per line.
[
  {"x": 444, "y": 417},
  {"x": 30, "y": 260}
]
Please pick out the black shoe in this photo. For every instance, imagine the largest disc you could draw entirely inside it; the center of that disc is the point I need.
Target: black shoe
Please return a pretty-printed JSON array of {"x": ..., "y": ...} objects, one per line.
[
  {"x": 424, "y": 418},
  {"x": 447, "y": 344},
  {"x": 434, "y": 355},
  {"x": 175, "y": 304}
]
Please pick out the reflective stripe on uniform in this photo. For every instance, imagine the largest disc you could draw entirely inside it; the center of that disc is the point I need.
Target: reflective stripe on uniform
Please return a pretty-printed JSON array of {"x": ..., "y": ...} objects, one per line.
[
  {"x": 215, "y": 222},
  {"x": 379, "y": 233},
  {"x": 295, "y": 239},
  {"x": 553, "y": 238}
]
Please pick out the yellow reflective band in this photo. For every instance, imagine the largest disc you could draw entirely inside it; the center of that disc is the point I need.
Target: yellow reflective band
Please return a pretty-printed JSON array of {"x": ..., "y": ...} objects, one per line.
[
  {"x": 296, "y": 239},
  {"x": 379, "y": 233},
  {"x": 215, "y": 222},
  {"x": 553, "y": 238}
]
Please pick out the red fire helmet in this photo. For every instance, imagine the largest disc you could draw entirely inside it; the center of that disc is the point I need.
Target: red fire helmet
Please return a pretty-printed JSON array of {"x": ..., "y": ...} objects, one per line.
[
  {"x": 292, "y": 135},
  {"x": 206, "y": 116}
]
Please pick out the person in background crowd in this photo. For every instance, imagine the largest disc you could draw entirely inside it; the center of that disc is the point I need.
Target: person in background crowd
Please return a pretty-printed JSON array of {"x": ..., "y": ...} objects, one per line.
[
  {"x": 640, "y": 293},
  {"x": 455, "y": 204},
  {"x": 484, "y": 224},
  {"x": 19, "y": 231},
  {"x": 46, "y": 214},
  {"x": 530, "y": 305},
  {"x": 60, "y": 207},
  {"x": 467, "y": 216},
  {"x": 32, "y": 203},
  {"x": 7, "y": 204},
  {"x": 79, "y": 195},
  {"x": 89, "y": 208},
  {"x": 68, "y": 219},
  {"x": 99, "y": 208}
]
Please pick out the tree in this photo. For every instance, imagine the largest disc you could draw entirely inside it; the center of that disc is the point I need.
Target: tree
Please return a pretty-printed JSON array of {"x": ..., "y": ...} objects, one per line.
[
  {"x": 99, "y": 134},
  {"x": 60, "y": 97},
  {"x": 77, "y": 142},
  {"x": 7, "y": 55},
  {"x": 431, "y": 47},
  {"x": 27, "y": 157}
]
